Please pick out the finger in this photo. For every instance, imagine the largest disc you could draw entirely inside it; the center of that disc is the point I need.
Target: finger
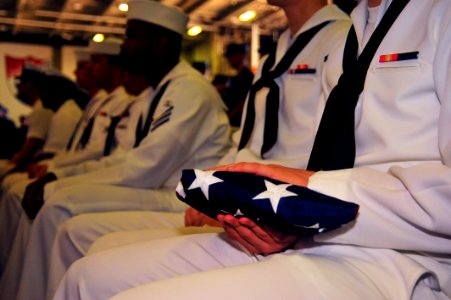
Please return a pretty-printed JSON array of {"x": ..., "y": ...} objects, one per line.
[
  {"x": 257, "y": 230},
  {"x": 238, "y": 167},
  {"x": 285, "y": 174},
  {"x": 187, "y": 220},
  {"x": 188, "y": 217},
  {"x": 221, "y": 168},
  {"x": 281, "y": 238},
  {"x": 248, "y": 233},
  {"x": 230, "y": 223},
  {"x": 218, "y": 168},
  {"x": 220, "y": 218},
  {"x": 245, "y": 167},
  {"x": 249, "y": 236},
  {"x": 233, "y": 235}
]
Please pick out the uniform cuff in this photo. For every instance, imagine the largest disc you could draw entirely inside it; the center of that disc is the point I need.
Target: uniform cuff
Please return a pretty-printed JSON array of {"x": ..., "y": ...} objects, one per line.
[{"x": 331, "y": 183}]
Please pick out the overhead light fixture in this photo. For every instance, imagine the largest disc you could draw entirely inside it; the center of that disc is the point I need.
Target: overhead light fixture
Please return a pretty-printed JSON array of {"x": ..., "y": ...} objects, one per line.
[
  {"x": 123, "y": 7},
  {"x": 77, "y": 6},
  {"x": 195, "y": 30},
  {"x": 98, "y": 38},
  {"x": 247, "y": 16}
]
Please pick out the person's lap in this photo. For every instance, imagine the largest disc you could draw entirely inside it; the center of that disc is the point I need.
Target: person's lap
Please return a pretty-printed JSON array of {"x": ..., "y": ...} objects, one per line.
[
  {"x": 75, "y": 200},
  {"x": 208, "y": 264},
  {"x": 75, "y": 236},
  {"x": 123, "y": 238},
  {"x": 139, "y": 263},
  {"x": 10, "y": 213},
  {"x": 283, "y": 277}
]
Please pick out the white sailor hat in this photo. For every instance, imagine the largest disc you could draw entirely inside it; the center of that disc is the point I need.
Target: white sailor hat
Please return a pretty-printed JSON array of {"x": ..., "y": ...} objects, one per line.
[
  {"x": 82, "y": 55},
  {"x": 110, "y": 46},
  {"x": 157, "y": 13}
]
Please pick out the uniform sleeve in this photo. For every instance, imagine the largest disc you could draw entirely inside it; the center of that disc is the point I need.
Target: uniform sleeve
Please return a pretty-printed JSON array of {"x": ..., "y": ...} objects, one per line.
[
  {"x": 63, "y": 124},
  {"x": 88, "y": 166},
  {"x": 194, "y": 118},
  {"x": 92, "y": 151},
  {"x": 39, "y": 122},
  {"x": 196, "y": 115},
  {"x": 405, "y": 208}
]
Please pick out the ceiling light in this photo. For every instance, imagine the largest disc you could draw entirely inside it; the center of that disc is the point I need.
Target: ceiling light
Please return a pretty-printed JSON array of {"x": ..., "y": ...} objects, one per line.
[
  {"x": 247, "y": 16},
  {"x": 77, "y": 6},
  {"x": 195, "y": 30},
  {"x": 123, "y": 7},
  {"x": 98, "y": 38}
]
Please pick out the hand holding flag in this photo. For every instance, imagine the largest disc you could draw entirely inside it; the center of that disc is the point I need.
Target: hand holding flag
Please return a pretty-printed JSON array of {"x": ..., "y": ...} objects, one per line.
[
  {"x": 255, "y": 238},
  {"x": 288, "y": 208}
]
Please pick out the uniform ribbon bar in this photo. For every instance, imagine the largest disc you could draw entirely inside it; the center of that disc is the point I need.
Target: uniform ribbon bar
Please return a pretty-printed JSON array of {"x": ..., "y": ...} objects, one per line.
[{"x": 398, "y": 56}]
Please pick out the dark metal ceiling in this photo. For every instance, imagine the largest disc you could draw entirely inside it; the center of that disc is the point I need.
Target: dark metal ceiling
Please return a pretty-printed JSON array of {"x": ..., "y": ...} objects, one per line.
[
  {"x": 77, "y": 20},
  {"x": 60, "y": 22}
]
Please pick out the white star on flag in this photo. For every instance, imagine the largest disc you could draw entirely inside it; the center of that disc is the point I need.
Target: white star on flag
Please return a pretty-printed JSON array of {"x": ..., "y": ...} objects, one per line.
[
  {"x": 203, "y": 181},
  {"x": 274, "y": 193},
  {"x": 179, "y": 189},
  {"x": 315, "y": 226},
  {"x": 238, "y": 213}
]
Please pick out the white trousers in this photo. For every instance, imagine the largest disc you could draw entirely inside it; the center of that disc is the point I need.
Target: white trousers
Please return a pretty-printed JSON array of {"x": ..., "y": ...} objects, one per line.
[
  {"x": 269, "y": 280},
  {"x": 205, "y": 266},
  {"x": 123, "y": 238},
  {"x": 10, "y": 212},
  {"x": 75, "y": 237},
  {"x": 72, "y": 201},
  {"x": 13, "y": 269}
]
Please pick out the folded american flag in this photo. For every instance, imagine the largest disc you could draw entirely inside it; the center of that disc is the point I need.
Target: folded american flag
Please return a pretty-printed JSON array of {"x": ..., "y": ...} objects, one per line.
[{"x": 286, "y": 207}]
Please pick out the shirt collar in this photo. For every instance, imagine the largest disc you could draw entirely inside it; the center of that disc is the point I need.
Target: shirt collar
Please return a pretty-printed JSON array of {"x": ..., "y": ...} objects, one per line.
[
  {"x": 178, "y": 70},
  {"x": 359, "y": 18},
  {"x": 326, "y": 13}
]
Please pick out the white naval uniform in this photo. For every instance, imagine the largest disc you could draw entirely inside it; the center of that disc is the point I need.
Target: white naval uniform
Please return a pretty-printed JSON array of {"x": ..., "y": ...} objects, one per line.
[
  {"x": 102, "y": 111},
  {"x": 56, "y": 134},
  {"x": 62, "y": 124},
  {"x": 61, "y": 127},
  {"x": 399, "y": 246},
  {"x": 38, "y": 126},
  {"x": 124, "y": 137},
  {"x": 302, "y": 96},
  {"x": 94, "y": 148},
  {"x": 11, "y": 209},
  {"x": 298, "y": 115},
  {"x": 104, "y": 106},
  {"x": 39, "y": 121},
  {"x": 190, "y": 129}
]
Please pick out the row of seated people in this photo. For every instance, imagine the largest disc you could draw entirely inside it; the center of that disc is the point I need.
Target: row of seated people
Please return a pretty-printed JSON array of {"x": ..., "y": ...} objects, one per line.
[
  {"x": 56, "y": 103},
  {"x": 351, "y": 108},
  {"x": 168, "y": 131}
]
